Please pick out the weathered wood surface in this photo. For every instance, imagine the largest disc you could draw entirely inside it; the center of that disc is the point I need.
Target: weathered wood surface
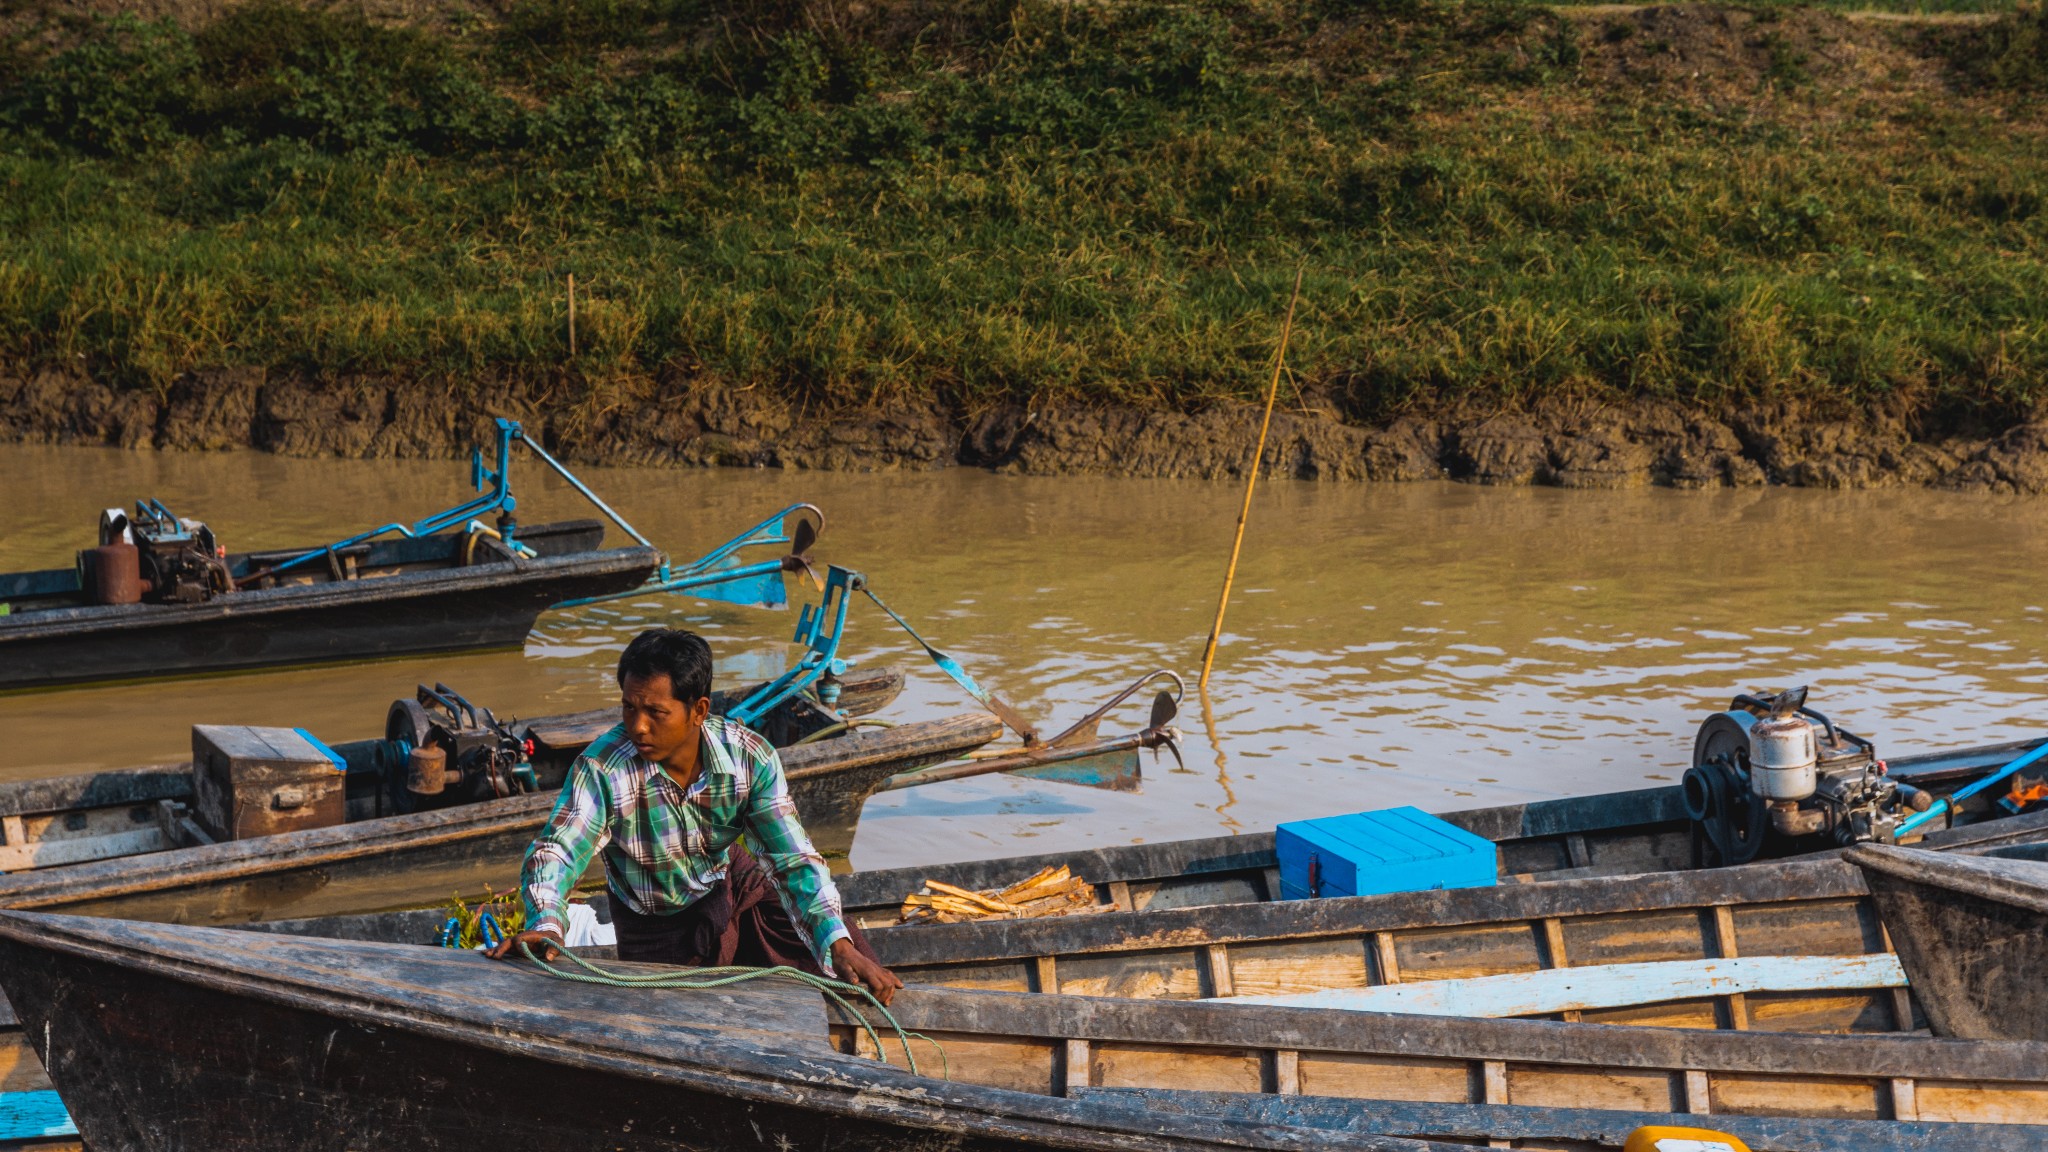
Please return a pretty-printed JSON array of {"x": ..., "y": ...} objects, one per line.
[
  {"x": 866, "y": 690},
  {"x": 1061, "y": 1043},
  {"x": 1972, "y": 932},
  {"x": 1620, "y": 833},
  {"x": 1581, "y": 1127},
  {"x": 404, "y": 861},
  {"x": 1603, "y": 986},
  {"x": 258, "y": 1042},
  {"x": 1567, "y": 929},
  {"x": 442, "y": 610}
]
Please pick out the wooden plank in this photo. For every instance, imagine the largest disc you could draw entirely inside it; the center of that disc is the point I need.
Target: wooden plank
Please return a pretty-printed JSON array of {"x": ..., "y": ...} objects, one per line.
[
  {"x": 1121, "y": 1065},
  {"x": 1589, "y": 901},
  {"x": 1077, "y": 1065},
  {"x": 1727, "y": 946},
  {"x": 51, "y": 853},
  {"x": 1560, "y": 1086},
  {"x": 1606, "y": 986},
  {"x": 1166, "y": 974},
  {"x": 1980, "y": 1101},
  {"x": 1120, "y": 895},
  {"x": 1208, "y": 1023},
  {"x": 1218, "y": 968},
  {"x": 1297, "y": 965},
  {"x": 1384, "y": 956},
  {"x": 37, "y": 1115},
  {"x": 1866, "y": 1010},
  {"x": 1287, "y": 1072},
  {"x": 1467, "y": 951},
  {"x": 1384, "y": 1077},
  {"x": 1785, "y": 928},
  {"x": 1493, "y": 1082},
  {"x": 1903, "y": 1105},
  {"x": 1554, "y": 954},
  {"x": 20, "y": 1071},
  {"x": 1635, "y": 938},
  {"x": 1045, "y": 975},
  {"x": 1788, "y": 1094},
  {"x": 1575, "y": 1128},
  {"x": 120, "y": 787},
  {"x": 1698, "y": 1101}
]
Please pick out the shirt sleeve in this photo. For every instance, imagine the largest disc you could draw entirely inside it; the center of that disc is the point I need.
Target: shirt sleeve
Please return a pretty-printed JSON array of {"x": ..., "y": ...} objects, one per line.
[
  {"x": 579, "y": 827},
  {"x": 802, "y": 881}
]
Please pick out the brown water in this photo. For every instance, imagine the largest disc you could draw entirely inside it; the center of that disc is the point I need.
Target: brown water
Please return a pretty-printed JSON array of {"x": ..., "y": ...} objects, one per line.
[{"x": 1430, "y": 644}]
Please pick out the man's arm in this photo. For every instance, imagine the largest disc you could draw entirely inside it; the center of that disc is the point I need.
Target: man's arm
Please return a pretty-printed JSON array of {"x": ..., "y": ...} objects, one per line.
[
  {"x": 578, "y": 828},
  {"x": 801, "y": 879}
]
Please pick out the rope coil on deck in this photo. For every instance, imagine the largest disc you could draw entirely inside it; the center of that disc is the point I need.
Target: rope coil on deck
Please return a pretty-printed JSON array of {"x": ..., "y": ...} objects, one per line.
[{"x": 706, "y": 979}]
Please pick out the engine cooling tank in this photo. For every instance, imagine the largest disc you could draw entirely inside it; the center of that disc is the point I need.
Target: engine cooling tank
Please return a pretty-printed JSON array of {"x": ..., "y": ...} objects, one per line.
[
  {"x": 1782, "y": 758},
  {"x": 116, "y": 574}
]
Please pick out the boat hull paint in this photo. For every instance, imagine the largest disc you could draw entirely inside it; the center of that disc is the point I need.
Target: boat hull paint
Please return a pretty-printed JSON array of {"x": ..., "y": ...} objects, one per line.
[{"x": 444, "y": 610}]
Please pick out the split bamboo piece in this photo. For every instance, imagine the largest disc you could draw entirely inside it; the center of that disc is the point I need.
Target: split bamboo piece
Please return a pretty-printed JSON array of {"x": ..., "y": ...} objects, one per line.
[{"x": 1052, "y": 892}]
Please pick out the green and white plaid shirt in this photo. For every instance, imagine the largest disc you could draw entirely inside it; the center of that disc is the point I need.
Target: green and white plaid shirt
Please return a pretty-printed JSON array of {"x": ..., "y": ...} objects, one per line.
[{"x": 663, "y": 849}]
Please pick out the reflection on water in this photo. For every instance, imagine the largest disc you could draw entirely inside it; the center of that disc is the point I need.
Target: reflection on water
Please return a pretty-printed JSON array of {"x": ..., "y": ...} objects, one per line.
[{"x": 1430, "y": 644}]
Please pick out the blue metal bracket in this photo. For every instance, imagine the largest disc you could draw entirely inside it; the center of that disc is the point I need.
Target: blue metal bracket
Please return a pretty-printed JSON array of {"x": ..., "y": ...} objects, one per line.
[{"x": 821, "y": 648}]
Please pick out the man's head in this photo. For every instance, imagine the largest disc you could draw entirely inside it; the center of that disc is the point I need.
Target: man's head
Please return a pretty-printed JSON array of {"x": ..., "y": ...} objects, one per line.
[{"x": 665, "y": 692}]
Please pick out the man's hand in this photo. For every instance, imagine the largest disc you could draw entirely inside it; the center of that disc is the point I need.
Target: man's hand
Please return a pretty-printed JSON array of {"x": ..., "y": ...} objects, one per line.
[
  {"x": 545, "y": 945},
  {"x": 856, "y": 968}
]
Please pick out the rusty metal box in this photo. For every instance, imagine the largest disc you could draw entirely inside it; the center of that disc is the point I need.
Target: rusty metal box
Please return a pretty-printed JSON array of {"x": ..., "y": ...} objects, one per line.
[{"x": 259, "y": 781}]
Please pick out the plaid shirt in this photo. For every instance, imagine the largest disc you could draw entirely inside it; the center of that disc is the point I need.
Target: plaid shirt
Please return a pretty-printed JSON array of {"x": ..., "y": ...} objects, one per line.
[{"x": 664, "y": 849}]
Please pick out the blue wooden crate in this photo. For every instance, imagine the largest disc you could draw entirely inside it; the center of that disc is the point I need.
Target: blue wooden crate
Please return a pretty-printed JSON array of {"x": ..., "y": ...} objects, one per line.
[{"x": 1393, "y": 850}]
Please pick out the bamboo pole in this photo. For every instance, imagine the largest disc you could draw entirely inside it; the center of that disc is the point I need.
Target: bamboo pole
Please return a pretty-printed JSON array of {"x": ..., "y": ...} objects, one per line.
[
  {"x": 572, "y": 315},
  {"x": 1251, "y": 482}
]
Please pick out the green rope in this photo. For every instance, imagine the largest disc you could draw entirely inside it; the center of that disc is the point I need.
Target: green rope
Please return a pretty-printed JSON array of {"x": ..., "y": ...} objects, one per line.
[{"x": 703, "y": 979}]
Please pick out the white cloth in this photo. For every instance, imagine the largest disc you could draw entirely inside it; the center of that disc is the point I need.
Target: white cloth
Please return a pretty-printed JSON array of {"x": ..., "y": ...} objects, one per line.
[{"x": 585, "y": 930}]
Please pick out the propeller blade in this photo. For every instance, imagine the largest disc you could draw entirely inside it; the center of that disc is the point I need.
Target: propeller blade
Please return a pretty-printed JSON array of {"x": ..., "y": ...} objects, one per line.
[
  {"x": 806, "y": 535},
  {"x": 1171, "y": 745},
  {"x": 1164, "y": 709}
]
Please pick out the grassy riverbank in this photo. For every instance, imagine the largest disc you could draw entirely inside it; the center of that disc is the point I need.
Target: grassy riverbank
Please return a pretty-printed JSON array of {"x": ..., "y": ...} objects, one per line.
[{"x": 1003, "y": 199}]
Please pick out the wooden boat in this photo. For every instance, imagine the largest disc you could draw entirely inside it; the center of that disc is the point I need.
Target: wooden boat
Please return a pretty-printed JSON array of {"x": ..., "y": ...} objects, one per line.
[
  {"x": 398, "y": 861},
  {"x": 403, "y": 596},
  {"x": 100, "y": 815},
  {"x": 1972, "y": 933},
  {"x": 259, "y": 1042},
  {"x": 314, "y": 1043},
  {"x": 1617, "y": 833}
]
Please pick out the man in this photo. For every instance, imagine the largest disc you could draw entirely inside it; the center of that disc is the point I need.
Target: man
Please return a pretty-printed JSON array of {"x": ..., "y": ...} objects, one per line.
[{"x": 665, "y": 797}]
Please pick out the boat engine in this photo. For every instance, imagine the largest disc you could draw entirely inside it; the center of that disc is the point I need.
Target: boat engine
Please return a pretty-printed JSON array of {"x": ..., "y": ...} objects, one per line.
[
  {"x": 1772, "y": 769},
  {"x": 155, "y": 556},
  {"x": 439, "y": 750}
]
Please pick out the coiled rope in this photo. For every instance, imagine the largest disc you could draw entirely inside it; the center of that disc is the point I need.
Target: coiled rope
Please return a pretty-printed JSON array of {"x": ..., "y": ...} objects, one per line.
[{"x": 704, "y": 979}]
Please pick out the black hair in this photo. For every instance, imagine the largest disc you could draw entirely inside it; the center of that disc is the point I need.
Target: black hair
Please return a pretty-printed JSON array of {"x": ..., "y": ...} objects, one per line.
[{"x": 681, "y": 656}]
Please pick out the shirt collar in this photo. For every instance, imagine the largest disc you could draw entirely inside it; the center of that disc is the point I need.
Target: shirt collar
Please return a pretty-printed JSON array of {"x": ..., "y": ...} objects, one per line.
[{"x": 712, "y": 754}]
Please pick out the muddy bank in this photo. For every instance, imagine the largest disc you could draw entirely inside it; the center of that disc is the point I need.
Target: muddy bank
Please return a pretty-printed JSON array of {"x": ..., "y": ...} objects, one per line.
[{"x": 667, "y": 423}]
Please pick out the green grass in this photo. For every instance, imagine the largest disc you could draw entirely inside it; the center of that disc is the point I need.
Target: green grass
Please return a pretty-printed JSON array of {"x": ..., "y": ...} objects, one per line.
[{"x": 1012, "y": 199}]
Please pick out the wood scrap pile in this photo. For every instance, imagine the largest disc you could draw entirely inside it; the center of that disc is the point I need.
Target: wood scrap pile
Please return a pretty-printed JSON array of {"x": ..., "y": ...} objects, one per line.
[{"x": 1053, "y": 892}]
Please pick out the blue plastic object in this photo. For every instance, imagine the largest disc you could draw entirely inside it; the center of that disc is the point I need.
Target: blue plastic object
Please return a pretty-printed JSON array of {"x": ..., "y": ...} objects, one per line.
[{"x": 1367, "y": 853}]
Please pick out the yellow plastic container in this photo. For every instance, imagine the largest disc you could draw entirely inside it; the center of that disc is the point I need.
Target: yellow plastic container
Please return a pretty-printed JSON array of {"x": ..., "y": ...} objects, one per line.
[{"x": 1660, "y": 1138}]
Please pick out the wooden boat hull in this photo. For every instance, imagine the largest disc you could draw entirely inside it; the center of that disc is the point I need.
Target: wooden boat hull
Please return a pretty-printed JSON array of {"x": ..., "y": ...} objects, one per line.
[
  {"x": 101, "y": 815},
  {"x": 167, "y": 1038},
  {"x": 1581, "y": 1129},
  {"x": 1068, "y": 1045},
  {"x": 1973, "y": 934},
  {"x": 490, "y": 605},
  {"x": 397, "y": 861},
  {"x": 1612, "y": 834}
]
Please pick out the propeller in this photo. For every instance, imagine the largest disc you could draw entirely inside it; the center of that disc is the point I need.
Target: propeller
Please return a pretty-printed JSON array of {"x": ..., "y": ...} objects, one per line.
[{"x": 799, "y": 558}]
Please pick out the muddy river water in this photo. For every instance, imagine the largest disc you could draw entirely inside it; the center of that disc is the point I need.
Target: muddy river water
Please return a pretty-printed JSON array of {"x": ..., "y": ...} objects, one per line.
[{"x": 1432, "y": 644}]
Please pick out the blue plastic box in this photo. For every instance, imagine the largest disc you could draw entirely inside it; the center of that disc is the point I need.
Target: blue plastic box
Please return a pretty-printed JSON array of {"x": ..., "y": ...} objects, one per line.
[{"x": 1366, "y": 853}]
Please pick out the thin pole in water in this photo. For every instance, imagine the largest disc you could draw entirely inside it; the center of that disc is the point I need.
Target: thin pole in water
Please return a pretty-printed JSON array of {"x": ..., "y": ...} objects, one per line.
[
  {"x": 572, "y": 315},
  {"x": 1251, "y": 481}
]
